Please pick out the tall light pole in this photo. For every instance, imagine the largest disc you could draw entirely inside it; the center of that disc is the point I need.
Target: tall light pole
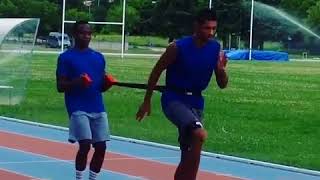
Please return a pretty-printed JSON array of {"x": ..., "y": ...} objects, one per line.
[
  {"x": 123, "y": 28},
  {"x": 251, "y": 29},
  {"x": 88, "y": 3},
  {"x": 63, "y": 19}
]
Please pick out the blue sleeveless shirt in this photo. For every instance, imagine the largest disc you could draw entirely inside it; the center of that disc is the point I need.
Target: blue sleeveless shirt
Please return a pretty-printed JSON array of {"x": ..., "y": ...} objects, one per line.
[{"x": 191, "y": 71}]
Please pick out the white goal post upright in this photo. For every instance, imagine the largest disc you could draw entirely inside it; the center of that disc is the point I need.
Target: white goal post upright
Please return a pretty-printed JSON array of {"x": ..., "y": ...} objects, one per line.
[
  {"x": 251, "y": 29},
  {"x": 95, "y": 22},
  {"x": 123, "y": 27},
  {"x": 63, "y": 18}
]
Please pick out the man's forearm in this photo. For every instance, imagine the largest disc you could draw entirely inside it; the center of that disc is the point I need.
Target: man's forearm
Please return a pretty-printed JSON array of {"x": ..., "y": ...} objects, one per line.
[
  {"x": 67, "y": 85},
  {"x": 222, "y": 78},
  {"x": 152, "y": 82},
  {"x": 167, "y": 58}
]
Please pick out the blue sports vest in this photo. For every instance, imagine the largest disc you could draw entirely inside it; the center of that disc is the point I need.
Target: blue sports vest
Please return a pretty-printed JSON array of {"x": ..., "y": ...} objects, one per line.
[{"x": 192, "y": 71}]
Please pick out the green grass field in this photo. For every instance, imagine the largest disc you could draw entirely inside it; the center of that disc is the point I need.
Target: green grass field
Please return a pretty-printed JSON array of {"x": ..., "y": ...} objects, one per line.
[{"x": 269, "y": 112}]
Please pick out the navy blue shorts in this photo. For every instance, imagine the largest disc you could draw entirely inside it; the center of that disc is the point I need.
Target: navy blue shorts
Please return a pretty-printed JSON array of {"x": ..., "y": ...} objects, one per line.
[{"x": 185, "y": 118}]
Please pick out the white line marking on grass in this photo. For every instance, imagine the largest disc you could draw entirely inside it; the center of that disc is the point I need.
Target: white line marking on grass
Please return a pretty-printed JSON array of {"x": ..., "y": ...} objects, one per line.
[
  {"x": 6, "y": 87},
  {"x": 309, "y": 60},
  {"x": 110, "y": 54}
]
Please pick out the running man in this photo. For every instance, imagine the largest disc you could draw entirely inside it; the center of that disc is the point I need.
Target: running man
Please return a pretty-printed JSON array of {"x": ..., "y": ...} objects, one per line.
[{"x": 189, "y": 64}]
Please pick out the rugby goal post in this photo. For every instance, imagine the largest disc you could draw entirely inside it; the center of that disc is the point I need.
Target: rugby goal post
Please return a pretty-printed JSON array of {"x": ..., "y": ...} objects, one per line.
[
  {"x": 97, "y": 23},
  {"x": 122, "y": 23}
]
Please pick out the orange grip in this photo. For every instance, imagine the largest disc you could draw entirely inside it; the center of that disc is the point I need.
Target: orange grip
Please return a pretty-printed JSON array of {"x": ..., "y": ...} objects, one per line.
[
  {"x": 110, "y": 80},
  {"x": 86, "y": 79}
]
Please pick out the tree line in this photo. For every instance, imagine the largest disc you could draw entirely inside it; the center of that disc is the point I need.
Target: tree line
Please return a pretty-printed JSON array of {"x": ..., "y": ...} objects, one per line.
[{"x": 167, "y": 18}]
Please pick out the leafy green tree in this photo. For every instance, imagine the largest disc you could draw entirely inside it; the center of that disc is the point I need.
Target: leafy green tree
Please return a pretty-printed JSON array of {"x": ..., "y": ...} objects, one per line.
[
  {"x": 8, "y": 9},
  {"x": 71, "y": 4},
  {"x": 45, "y": 10},
  {"x": 314, "y": 15},
  {"x": 232, "y": 19},
  {"x": 298, "y": 8},
  {"x": 76, "y": 15},
  {"x": 115, "y": 14},
  {"x": 172, "y": 18}
]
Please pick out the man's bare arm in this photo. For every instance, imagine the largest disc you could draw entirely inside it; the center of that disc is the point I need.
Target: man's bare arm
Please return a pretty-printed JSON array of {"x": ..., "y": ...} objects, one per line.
[
  {"x": 220, "y": 72},
  {"x": 64, "y": 84},
  {"x": 167, "y": 58},
  {"x": 221, "y": 78}
]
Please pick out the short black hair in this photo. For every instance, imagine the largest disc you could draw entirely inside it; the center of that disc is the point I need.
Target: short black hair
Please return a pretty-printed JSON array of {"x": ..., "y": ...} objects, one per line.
[
  {"x": 206, "y": 15},
  {"x": 77, "y": 24}
]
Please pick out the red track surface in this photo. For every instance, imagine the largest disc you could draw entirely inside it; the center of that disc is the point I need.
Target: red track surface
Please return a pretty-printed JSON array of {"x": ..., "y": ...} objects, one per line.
[
  {"x": 13, "y": 176},
  {"x": 114, "y": 162}
]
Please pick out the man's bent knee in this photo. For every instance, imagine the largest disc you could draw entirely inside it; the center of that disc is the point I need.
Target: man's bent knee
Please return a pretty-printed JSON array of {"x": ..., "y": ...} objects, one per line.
[
  {"x": 84, "y": 146},
  {"x": 100, "y": 146},
  {"x": 200, "y": 134}
]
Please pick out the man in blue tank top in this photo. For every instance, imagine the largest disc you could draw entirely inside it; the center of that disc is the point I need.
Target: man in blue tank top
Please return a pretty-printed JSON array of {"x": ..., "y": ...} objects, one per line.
[
  {"x": 189, "y": 64},
  {"x": 80, "y": 76}
]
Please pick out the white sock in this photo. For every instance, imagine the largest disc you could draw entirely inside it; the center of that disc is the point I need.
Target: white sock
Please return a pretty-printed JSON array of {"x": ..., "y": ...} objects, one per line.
[
  {"x": 92, "y": 175},
  {"x": 79, "y": 175}
]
